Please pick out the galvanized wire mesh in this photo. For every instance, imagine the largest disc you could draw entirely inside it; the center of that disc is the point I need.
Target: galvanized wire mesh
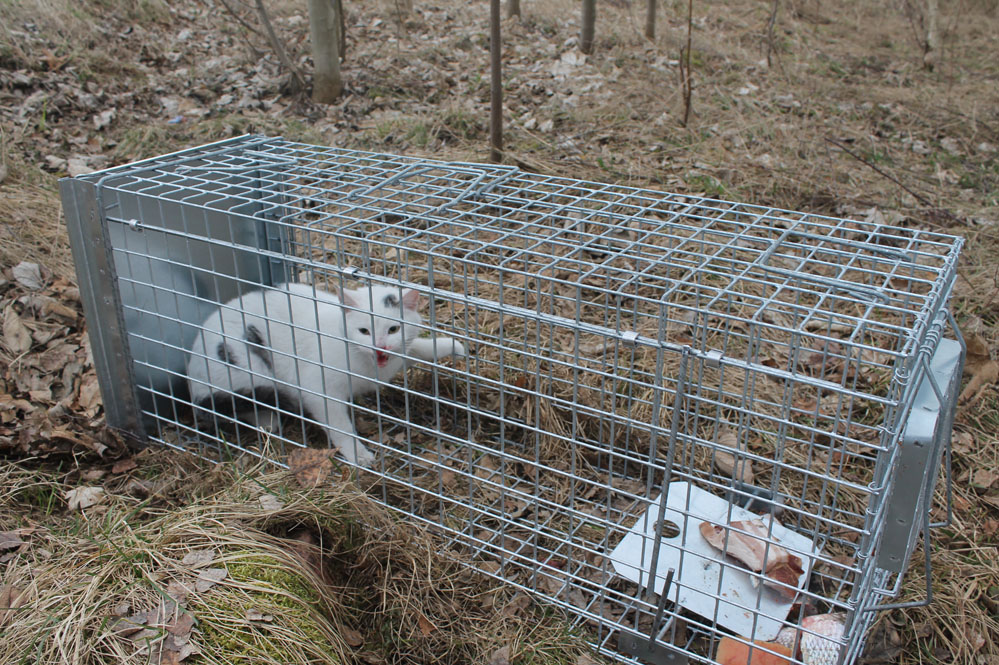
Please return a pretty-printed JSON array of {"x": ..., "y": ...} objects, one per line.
[{"x": 625, "y": 344}]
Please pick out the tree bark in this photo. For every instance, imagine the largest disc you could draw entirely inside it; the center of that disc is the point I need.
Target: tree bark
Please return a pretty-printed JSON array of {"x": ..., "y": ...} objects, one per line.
[
  {"x": 931, "y": 49},
  {"x": 650, "y": 19},
  {"x": 512, "y": 8},
  {"x": 586, "y": 33},
  {"x": 496, "y": 85},
  {"x": 325, "y": 30}
]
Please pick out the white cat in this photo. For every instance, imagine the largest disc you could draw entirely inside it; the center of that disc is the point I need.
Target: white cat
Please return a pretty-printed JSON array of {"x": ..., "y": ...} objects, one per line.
[{"x": 285, "y": 346}]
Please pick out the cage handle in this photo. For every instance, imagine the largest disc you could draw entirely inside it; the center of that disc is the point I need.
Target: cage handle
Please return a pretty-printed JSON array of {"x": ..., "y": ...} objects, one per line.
[
  {"x": 259, "y": 160},
  {"x": 870, "y": 294},
  {"x": 477, "y": 187}
]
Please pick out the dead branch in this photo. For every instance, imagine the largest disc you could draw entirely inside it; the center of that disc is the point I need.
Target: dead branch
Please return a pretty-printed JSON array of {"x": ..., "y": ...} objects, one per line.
[
  {"x": 297, "y": 79},
  {"x": 246, "y": 26}
]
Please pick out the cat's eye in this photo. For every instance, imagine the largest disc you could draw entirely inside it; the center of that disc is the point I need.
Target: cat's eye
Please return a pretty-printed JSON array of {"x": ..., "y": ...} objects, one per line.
[
  {"x": 363, "y": 331},
  {"x": 393, "y": 330}
]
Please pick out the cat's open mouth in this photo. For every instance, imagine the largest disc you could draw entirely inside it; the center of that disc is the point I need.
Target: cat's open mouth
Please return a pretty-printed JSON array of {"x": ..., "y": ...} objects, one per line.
[{"x": 381, "y": 358}]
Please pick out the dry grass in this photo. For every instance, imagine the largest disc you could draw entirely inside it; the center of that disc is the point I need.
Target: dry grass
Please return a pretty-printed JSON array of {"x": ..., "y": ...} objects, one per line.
[{"x": 327, "y": 565}]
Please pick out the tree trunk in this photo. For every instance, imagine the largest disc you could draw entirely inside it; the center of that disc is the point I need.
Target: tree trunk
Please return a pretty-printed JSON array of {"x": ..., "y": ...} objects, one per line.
[
  {"x": 589, "y": 18},
  {"x": 650, "y": 19},
  {"x": 931, "y": 49},
  {"x": 512, "y": 8},
  {"x": 496, "y": 85},
  {"x": 324, "y": 28}
]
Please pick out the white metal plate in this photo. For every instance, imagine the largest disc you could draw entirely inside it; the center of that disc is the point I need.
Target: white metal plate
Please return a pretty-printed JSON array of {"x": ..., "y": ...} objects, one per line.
[{"x": 698, "y": 564}]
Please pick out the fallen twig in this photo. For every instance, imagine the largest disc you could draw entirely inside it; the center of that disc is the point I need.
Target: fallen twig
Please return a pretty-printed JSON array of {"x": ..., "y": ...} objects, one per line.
[{"x": 919, "y": 197}]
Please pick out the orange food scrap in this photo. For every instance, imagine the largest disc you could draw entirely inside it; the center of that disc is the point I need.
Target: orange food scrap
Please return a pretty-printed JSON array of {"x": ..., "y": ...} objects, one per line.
[{"x": 734, "y": 652}]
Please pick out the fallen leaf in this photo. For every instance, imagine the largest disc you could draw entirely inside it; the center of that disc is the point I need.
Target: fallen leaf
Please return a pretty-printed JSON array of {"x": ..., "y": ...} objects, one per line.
[
  {"x": 84, "y": 497},
  {"x": 517, "y": 604},
  {"x": 77, "y": 166},
  {"x": 740, "y": 469},
  {"x": 883, "y": 646},
  {"x": 198, "y": 558},
  {"x": 174, "y": 656},
  {"x": 984, "y": 478},
  {"x": 178, "y": 591},
  {"x": 253, "y": 614},
  {"x": 103, "y": 119},
  {"x": 353, "y": 638},
  {"x": 270, "y": 502},
  {"x": 963, "y": 443},
  {"x": 128, "y": 626},
  {"x": 182, "y": 626},
  {"x": 10, "y": 540},
  {"x": 28, "y": 275},
  {"x": 448, "y": 479},
  {"x": 121, "y": 466},
  {"x": 11, "y": 598},
  {"x": 209, "y": 578},
  {"x": 978, "y": 352},
  {"x": 425, "y": 626},
  {"x": 90, "y": 394},
  {"x": 500, "y": 657},
  {"x": 16, "y": 336},
  {"x": 54, "y": 61},
  {"x": 983, "y": 375},
  {"x": 310, "y": 466}
]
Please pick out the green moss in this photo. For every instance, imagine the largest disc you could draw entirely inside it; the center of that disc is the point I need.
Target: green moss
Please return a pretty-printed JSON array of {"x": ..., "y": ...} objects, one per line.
[{"x": 298, "y": 633}]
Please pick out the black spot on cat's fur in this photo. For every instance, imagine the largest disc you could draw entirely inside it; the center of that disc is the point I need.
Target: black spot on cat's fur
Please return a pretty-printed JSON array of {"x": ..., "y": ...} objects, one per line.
[
  {"x": 245, "y": 401},
  {"x": 255, "y": 341},
  {"x": 225, "y": 354},
  {"x": 391, "y": 300}
]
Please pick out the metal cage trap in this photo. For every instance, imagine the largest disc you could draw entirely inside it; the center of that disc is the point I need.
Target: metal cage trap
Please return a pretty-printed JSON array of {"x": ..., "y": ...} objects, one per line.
[{"x": 647, "y": 373}]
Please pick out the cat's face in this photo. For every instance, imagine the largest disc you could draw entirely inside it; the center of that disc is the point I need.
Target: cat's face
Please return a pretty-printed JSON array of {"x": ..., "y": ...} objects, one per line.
[{"x": 382, "y": 333}]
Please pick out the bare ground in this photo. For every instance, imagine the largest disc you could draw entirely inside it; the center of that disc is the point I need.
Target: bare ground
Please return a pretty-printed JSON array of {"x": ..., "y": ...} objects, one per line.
[{"x": 843, "y": 120}]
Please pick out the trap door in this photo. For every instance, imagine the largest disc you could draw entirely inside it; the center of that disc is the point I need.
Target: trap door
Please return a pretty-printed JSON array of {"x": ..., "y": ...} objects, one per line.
[
  {"x": 925, "y": 438},
  {"x": 157, "y": 245}
]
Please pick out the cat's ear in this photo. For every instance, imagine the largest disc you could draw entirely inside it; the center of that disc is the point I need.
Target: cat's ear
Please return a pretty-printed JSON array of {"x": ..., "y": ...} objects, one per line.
[
  {"x": 346, "y": 297},
  {"x": 410, "y": 299}
]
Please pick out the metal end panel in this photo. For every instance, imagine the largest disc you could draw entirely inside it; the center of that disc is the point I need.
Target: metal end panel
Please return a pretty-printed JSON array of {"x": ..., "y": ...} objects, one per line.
[{"x": 101, "y": 299}]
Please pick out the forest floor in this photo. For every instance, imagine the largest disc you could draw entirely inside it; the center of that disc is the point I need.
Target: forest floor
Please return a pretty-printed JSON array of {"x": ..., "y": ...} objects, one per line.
[{"x": 830, "y": 111}]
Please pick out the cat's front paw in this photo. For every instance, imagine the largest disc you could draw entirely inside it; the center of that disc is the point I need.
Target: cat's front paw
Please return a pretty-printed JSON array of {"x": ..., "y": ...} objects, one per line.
[
  {"x": 458, "y": 349},
  {"x": 356, "y": 453}
]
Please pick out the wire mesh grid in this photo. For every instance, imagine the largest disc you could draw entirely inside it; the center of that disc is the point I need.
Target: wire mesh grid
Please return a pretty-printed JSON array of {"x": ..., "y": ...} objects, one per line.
[{"x": 641, "y": 367}]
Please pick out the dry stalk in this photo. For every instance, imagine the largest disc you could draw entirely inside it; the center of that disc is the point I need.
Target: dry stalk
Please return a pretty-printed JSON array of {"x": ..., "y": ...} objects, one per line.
[{"x": 686, "y": 79}]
